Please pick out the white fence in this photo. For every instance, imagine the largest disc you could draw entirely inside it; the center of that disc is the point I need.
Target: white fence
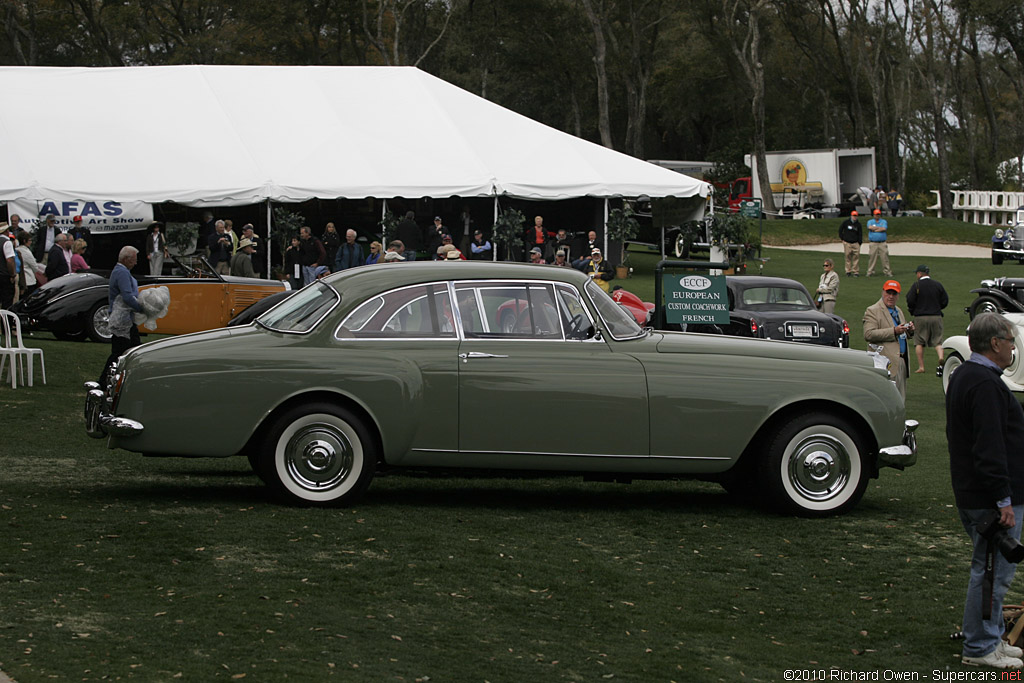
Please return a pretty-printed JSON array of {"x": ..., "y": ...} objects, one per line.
[{"x": 982, "y": 206}]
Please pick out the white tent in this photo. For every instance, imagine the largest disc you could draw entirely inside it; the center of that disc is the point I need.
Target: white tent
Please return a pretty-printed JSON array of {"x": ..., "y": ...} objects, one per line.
[{"x": 231, "y": 135}]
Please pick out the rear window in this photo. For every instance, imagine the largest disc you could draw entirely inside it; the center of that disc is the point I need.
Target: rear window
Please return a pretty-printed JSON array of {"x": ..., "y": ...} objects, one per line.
[
  {"x": 301, "y": 311},
  {"x": 767, "y": 298}
]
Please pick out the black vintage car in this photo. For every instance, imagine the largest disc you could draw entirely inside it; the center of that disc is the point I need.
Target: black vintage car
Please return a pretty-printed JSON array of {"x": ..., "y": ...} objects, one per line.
[
  {"x": 998, "y": 295},
  {"x": 75, "y": 306},
  {"x": 1008, "y": 245},
  {"x": 779, "y": 308}
]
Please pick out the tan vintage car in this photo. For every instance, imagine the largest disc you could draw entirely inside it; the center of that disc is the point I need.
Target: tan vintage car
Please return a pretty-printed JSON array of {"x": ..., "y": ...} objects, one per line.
[{"x": 75, "y": 306}]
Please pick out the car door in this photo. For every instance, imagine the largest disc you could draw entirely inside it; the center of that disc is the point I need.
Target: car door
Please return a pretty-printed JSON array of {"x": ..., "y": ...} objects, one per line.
[
  {"x": 534, "y": 380},
  {"x": 401, "y": 350}
]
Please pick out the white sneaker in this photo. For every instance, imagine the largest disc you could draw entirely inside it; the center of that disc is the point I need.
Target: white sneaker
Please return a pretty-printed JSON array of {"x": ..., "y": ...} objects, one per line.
[
  {"x": 1007, "y": 650},
  {"x": 994, "y": 659}
]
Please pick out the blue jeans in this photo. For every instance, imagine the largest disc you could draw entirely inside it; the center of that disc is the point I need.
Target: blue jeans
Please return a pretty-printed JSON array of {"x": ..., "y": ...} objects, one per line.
[
  {"x": 981, "y": 636},
  {"x": 409, "y": 254}
]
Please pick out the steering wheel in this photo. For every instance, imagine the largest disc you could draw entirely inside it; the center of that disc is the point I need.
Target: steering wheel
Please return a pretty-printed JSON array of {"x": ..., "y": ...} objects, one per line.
[{"x": 575, "y": 323}]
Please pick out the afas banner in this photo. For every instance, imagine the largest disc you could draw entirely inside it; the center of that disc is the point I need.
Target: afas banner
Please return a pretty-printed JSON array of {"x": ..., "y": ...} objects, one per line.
[{"x": 104, "y": 216}]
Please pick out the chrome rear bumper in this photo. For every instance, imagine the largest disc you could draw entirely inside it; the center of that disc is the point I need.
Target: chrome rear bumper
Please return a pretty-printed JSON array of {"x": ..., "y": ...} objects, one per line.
[{"x": 99, "y": 423}]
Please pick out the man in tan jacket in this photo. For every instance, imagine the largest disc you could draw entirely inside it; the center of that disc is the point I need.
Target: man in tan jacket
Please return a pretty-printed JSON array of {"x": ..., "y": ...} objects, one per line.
[{"x": 885, "y": 324}]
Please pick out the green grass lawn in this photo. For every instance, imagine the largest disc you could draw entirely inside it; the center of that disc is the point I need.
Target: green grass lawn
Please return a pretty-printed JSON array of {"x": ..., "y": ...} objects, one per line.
[{"x": 116, "y": 566}]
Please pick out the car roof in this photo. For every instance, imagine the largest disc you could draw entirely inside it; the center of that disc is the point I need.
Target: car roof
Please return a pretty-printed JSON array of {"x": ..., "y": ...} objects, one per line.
[
  {"x": 390, "y": 275},
  {"x": 748, "y": 281}
]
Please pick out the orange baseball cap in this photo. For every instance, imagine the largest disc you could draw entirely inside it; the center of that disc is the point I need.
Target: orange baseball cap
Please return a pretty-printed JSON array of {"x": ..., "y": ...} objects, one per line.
[
  {"x": 877, "y": 212},
  {"x": 854, "y": 213},
  {"x": 891, "y": 284}
]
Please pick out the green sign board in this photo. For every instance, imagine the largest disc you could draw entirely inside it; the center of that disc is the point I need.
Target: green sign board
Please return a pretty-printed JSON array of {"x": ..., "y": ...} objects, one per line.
[
  {"x": 750, "y": 208},
  {"x": 693, "y": 298}
]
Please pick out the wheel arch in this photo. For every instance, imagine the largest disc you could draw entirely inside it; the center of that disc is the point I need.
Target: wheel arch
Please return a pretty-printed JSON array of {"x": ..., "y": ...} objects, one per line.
[
  {"x": 757, "y": 447},
  {"x": 262, "y": 431}
]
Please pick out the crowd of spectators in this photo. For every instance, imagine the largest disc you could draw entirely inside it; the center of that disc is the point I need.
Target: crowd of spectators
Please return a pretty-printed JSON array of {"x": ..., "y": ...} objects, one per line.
[{"x": 33, "y": 258}]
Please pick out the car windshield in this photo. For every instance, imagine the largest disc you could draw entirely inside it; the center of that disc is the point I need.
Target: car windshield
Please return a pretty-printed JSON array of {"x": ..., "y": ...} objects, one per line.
[
  {"x": 301, "y": 311},
  {"x": 775, "y": 299},
  {"x": 620, "y": 323}
]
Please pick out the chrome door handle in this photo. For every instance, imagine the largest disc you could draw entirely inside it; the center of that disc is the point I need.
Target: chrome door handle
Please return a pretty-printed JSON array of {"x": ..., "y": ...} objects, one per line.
[{"x": 476, "y": 354}]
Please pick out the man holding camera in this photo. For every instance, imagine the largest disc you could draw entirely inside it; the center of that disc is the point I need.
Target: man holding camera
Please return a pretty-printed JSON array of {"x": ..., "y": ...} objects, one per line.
[
  {"x": 885, "y": 325},
  {"x": 984, "y": 428}
]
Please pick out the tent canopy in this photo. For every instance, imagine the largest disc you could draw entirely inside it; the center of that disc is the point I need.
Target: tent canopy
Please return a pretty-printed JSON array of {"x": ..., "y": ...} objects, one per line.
[{"x": 232, "y": 135}]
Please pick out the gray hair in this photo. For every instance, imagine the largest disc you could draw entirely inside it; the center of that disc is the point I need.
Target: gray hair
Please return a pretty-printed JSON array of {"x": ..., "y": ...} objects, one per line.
[
  {"x": 219, "y": 224},
  {"x": 830, "y": 262},
  {"x": 984, "y": 327},
  {"x": 125, "y": 252}
]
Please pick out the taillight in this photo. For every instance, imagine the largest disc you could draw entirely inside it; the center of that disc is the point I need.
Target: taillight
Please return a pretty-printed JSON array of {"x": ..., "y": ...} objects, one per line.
[
  {"x": 846, "y": 327},
  {"x": 754, "y": 328}
]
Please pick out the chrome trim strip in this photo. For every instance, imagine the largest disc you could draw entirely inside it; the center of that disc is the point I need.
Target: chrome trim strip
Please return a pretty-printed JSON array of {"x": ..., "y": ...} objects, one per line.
[
  {"x": 77, "y": 291},
  {"x": 574, "y": 455}
]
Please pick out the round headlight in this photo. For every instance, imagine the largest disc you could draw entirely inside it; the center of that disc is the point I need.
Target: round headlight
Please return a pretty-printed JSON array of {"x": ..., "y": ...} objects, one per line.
[{"x": 999, "y": 234}]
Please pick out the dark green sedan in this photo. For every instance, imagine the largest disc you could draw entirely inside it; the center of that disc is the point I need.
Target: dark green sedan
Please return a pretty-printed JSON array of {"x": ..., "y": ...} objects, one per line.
[{"x": 500, "y": 366}]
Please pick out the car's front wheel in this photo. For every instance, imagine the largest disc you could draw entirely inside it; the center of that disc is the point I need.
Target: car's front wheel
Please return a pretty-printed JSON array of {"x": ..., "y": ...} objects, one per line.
[
  {"x": 997, "y": 258},
  {"x": 949, "y": 366},
  {"x": 815, "y": 465},
  {"x": 97, "y": 323},
  {"x": 319, "y": 454}
]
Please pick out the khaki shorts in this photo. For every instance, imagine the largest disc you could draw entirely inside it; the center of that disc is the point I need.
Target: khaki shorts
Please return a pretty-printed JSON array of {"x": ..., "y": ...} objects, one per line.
[{"x": 928, "y": 330}]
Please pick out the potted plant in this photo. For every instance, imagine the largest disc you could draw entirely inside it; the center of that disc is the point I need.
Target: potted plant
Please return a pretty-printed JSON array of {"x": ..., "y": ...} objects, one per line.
[
  {"x": 507, "y": 229},
  {"x": 732, "y": 233},
  {"x": 286, "y": 226},
  {"x": 388, "y": 227},
  {"x": 622, "y": 226}
]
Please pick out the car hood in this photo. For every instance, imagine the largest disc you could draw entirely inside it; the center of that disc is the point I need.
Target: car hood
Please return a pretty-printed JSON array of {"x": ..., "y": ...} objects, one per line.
[{"x": 690, "y": 342}]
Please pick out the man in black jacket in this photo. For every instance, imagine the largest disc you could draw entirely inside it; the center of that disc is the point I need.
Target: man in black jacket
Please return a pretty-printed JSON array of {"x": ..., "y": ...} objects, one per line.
[
  {"x": 852, "y": 235},
  {"x": 59, "y": 259},
  {"x": 409, "y": 234},
  {"x": 984, "y": 429},
  {"x": 925, "y": 300}
]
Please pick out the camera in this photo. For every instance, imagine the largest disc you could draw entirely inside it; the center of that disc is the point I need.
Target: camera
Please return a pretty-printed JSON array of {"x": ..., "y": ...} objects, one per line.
[{"x": 995, "y": 533}]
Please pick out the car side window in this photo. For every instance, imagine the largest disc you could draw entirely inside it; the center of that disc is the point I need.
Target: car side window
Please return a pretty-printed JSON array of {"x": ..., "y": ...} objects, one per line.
[
  {"x": 575, "y": 319},
  {"x": 417, "y": 312},
  {"x": 508, "y": 311}
]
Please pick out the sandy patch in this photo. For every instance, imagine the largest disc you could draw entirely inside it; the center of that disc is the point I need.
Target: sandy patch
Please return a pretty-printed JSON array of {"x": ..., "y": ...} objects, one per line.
[{"x": 904, "y": 249}]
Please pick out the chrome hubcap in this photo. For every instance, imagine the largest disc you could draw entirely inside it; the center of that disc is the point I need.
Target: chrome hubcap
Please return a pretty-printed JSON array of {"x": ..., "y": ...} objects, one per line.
[
  {"x": 819, "y": 467},
  {"x": 318, "y": 457},
  {"x": 101, "y": 321}
]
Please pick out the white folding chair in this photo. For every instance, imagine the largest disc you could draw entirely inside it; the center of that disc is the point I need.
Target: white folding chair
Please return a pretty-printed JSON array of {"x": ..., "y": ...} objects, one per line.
[
  {"x": 22, "y": 352},
  {"x": 7, "y": 351}
]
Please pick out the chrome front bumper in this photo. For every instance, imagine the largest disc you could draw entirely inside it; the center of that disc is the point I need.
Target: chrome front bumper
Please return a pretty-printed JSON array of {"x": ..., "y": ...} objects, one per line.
[
  {"x": 903, "y": 455},
  {"x": 99, "y": 423}
]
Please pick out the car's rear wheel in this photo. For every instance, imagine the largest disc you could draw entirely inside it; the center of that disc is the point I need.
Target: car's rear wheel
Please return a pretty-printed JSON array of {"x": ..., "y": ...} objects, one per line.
[
  {"x": 985, "y": 304},
  {"x": 318, "y": 454},
  {"x": 815, "y": 465},
  {"x": 97, "y": 323},
  {"x": 949, "y": 366}
]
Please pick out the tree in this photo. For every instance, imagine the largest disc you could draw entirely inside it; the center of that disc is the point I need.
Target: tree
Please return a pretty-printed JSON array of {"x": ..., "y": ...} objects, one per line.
[{"x": 740, "y": 23}]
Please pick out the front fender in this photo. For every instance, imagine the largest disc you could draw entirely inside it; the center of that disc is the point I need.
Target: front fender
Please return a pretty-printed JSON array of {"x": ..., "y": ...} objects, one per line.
[
  {"x": 957, "y": 344},
  {"x": 1008, "y": 301}
]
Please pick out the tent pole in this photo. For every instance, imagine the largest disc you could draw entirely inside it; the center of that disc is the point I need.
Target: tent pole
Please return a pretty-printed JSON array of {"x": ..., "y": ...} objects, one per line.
[
  {"x": 269, "y": 241},
  {"x": 604, "y": 253},
  {"x": 494, "y": 245},
  {"x": 383, "y": 216}
]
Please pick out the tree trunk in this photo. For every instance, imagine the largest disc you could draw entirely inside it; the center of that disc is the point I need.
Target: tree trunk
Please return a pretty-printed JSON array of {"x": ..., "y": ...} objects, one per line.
[{"x": 604, "y": 125}]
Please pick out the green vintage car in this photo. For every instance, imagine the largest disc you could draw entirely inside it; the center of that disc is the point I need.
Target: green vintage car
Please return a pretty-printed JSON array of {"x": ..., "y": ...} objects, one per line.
[{"x": 503, "y": 366}]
